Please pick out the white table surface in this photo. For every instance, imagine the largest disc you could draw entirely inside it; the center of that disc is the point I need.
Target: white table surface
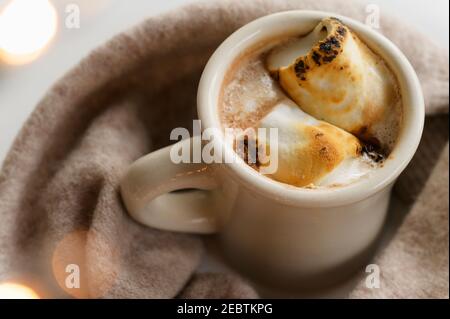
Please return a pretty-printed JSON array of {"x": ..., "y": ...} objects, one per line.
[{"x": 21, "y": 87}]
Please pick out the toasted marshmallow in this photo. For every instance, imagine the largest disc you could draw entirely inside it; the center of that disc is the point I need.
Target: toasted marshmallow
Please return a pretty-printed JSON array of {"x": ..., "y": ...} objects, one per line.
[
  {"x": 311, "y": 152},
  {"x": 332, "y": 75}
]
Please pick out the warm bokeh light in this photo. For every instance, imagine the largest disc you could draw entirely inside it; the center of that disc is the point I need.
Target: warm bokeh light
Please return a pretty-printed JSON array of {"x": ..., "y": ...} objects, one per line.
[
  {"x": 97, "y": 273},
  {"x": 26, "y": 27},
  {"x": 16, "y": 291}
]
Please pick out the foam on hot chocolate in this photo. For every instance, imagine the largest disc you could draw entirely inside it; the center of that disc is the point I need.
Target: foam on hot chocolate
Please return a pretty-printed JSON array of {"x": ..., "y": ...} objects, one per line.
[{"x": 249, "y": 95}]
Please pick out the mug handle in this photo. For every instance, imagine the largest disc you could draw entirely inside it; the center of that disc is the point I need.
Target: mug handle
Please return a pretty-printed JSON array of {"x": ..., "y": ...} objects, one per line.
[{"x": 148, "y": 187}]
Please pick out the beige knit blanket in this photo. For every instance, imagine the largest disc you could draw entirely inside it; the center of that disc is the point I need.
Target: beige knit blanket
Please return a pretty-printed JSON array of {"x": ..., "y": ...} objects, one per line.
[{"x": 59, "y": 198}]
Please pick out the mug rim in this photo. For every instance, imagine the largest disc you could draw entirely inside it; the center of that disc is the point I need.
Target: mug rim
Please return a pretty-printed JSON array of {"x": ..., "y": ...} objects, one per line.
[{"x": 407, "y": 142}]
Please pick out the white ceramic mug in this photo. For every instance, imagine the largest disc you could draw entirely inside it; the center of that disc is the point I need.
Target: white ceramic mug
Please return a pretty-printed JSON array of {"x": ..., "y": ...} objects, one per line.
[{"x": 268, "y": 228}]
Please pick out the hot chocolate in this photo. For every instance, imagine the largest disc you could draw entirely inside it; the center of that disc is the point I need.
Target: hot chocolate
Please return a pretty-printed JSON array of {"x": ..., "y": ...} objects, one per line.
[{"x": 335, "y": 103}]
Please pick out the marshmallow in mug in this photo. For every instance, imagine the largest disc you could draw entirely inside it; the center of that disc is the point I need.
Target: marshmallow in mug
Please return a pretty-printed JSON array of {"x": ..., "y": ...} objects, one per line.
[
  {"x": 312, "y": 152},
  {"x": 332, "y": 75}
]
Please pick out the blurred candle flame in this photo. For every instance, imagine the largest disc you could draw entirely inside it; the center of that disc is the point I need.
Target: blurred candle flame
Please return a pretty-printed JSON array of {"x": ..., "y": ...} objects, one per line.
[
  {"x": 11, "y": 290},
  {"x": 26, "y": 27}
]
